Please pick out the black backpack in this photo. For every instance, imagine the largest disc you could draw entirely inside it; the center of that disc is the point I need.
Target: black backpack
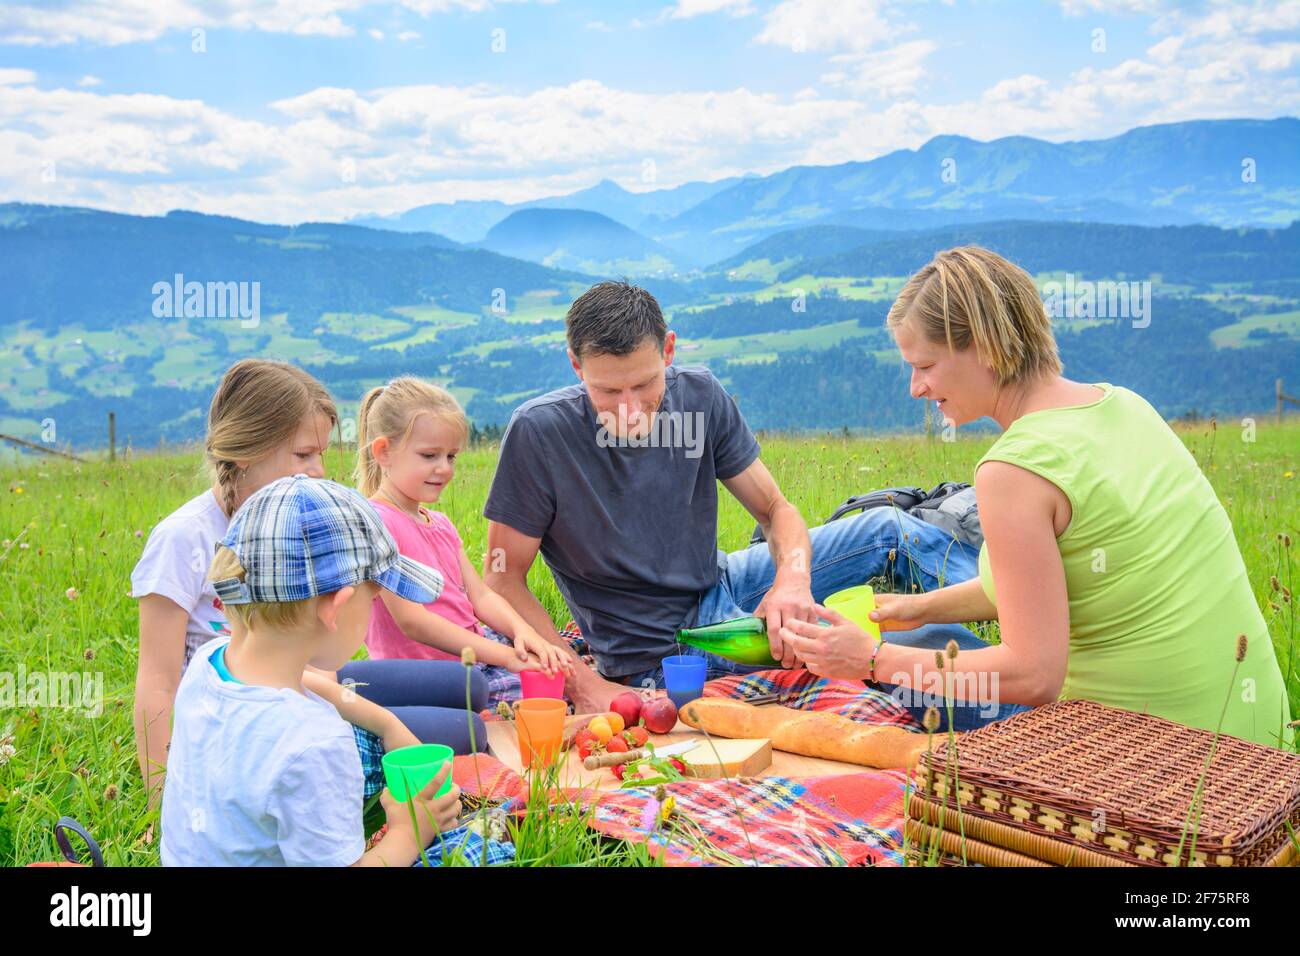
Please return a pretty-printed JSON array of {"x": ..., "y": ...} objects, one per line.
[{"x": 949, "y": 505}]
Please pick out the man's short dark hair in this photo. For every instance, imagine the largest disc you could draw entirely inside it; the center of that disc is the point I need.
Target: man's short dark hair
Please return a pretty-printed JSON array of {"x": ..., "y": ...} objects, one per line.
[{"x": 614, "y": 318}]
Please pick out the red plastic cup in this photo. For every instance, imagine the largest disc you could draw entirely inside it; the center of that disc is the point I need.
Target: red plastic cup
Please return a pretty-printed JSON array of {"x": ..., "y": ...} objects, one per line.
[{"x": 537, "y": 684}]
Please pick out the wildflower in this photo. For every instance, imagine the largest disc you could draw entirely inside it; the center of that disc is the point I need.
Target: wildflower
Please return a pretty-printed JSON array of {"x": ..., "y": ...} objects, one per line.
[
  {"x": 1241, "y": 647},
  {"x": 110, "y": 792},
  {"x": 666, "y": 809},
  {"x": 23, "y": 546},
  {"x": 71, "y": 594},
  {"x": 951, "y": 650},
  {"x": 503, "y": 709},
  {"x": 467, "y": 657},
  {"x": 139, "y": 533},
  {"x": 18, "y": 491},
  {"x": 6, "y": 752},
  {"x": 938, "y": 659},
  {"x": 89, "y": 654},
  {"x": 1273, "y": 582}
]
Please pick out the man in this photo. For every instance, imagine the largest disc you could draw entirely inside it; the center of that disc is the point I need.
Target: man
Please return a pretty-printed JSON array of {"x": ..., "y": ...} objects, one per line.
[{"x": 614, "y": 480}]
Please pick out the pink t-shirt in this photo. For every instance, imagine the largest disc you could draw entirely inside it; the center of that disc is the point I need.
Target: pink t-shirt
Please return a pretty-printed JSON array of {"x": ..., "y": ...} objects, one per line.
[{"x": 438, "y": 545}]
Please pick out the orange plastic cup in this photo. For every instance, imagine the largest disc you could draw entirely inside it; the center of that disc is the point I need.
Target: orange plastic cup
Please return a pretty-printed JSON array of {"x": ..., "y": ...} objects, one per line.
[{"x": 539, "y": 723}]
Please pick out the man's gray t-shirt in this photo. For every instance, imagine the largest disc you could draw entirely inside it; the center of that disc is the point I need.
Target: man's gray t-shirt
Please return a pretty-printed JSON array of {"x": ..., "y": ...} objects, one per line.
[{"x": 629, "y": 533}]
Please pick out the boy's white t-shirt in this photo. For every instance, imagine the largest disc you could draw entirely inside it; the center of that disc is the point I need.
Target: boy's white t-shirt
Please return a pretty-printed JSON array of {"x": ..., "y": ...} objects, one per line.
[
  {"x": 175, "y": 564},
  {"x": 259, "y": 776}
]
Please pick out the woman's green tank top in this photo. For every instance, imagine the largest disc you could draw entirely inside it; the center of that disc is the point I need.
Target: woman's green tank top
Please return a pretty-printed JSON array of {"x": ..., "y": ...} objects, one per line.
[{"x": 1157, "y": 587}]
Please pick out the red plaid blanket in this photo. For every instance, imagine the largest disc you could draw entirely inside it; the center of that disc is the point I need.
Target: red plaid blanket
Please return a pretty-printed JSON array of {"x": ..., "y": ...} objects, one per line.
[
  {"x": 806, "y": 691},
  {"x": 853, "y": 819}
]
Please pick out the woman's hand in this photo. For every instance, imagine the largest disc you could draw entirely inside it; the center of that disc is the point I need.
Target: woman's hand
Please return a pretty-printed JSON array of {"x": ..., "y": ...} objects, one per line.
[
  {"x": 531, "y": 646},
  {"x": 899, "y": 612},
  {"x": 842, "y": 650}
]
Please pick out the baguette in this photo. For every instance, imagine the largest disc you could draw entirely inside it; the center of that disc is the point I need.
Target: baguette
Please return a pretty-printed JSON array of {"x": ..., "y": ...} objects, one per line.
[{"x": 809, "y": 733}]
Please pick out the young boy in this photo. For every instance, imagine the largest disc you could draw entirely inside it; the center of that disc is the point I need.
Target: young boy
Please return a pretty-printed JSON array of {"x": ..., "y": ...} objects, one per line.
[{"x": 264, "y": 767}]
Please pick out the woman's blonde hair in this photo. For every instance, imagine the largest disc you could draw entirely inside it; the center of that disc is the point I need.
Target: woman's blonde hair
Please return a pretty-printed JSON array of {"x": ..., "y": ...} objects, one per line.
[
  {"x": 971, "y": 296},
  {"x": 286, "y": 614},
  {"x": 390, "y": 411},
  {"x": 257, "y": 408}
]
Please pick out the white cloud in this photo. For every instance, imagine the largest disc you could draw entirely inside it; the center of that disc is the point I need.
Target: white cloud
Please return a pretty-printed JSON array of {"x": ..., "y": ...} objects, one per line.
[
  {"x": 375, "y": 34},
  {"x": 417, "y": 144},
  {"x": 16, "y": 77},
  {"x": 830, "y": 26},
  {"x": 89, "y": 80},
  {"x": 406, "y": 36},
  {"x": 861, "y": 38},
  {"x": 686, "y": 9},
  {"x": 113, "y": 22}
]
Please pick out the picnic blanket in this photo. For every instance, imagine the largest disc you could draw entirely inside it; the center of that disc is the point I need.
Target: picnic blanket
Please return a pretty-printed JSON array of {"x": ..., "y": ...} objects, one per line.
[
  {"x": 804, "y": 690},
  {"x": 852, "y": 819}
]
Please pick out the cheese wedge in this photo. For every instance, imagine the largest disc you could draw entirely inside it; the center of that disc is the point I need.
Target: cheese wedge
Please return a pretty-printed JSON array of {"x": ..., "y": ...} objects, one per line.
[{"x": 721, "y": 757}]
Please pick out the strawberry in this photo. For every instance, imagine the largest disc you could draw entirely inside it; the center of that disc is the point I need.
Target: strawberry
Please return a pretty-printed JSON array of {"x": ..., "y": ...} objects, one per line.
[
  {"x": 636, "y": 736},
  {"x": 618, "y": 770},
  {"x": 584, "y": 738},
  {"x": 677, "y": 764},
  {"x": 616, "y": 745}
]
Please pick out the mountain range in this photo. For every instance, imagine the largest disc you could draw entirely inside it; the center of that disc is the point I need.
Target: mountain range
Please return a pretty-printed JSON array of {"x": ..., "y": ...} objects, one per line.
[{"x": 1228, "y": 172}]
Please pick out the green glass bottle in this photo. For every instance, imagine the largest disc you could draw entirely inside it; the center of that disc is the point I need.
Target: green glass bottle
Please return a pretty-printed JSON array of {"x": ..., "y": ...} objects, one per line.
[{"x": 743, "y": 640}]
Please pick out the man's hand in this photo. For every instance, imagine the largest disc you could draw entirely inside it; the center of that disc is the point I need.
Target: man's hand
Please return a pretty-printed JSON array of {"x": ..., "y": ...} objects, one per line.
[{"x": 786, "y": 602}]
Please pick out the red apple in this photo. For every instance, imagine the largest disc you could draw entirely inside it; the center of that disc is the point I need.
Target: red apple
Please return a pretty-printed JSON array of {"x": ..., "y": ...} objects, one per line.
[
  {"x": 660, "y": 715},
  {"x": 628, "y": 706}
]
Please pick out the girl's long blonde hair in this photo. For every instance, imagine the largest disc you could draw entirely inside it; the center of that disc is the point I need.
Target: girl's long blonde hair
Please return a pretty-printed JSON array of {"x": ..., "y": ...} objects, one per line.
[
  {"x": 971, "y": 296},
  {"x": 257, "y": 408},
  {"x": 389, "y": 411}
]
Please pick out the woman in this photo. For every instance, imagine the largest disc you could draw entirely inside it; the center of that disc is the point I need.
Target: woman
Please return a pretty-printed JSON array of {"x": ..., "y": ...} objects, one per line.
[{"x": 1117, "y": 575}]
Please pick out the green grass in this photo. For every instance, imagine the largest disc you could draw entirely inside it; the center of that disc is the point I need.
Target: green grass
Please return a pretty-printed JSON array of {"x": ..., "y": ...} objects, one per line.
[
  {"x": 1234, "y": 336},
  {"x": 84, "y": 527}
]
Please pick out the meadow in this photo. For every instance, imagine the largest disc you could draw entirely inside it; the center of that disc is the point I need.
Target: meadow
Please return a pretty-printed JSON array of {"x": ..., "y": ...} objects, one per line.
[{"x": 72, "y": 533}]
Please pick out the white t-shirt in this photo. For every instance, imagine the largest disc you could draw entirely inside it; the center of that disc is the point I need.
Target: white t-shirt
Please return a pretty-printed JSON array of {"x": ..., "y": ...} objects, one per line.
[
  {"x": 175, "y": 564},
  {"x": 259, "y": 776}
]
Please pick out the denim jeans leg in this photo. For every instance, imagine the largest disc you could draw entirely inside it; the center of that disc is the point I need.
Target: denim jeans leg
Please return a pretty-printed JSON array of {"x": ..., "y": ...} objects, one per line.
[{"x": 881, "y": 542}]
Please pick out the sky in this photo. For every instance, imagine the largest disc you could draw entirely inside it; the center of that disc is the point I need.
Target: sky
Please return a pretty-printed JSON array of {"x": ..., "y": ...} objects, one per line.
[{"x": 296, "y": 110}]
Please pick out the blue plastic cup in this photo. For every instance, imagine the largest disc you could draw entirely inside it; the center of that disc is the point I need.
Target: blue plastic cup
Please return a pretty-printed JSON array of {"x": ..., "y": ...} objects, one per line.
[{"x": 684, "y": 677}]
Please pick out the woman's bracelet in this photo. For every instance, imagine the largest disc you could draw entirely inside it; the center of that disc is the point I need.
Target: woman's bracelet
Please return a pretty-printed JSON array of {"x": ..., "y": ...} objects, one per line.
[{"x": 874, "y": 651}]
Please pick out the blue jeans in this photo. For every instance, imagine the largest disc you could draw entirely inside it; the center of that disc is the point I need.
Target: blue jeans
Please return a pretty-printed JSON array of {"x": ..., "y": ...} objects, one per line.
[
  {"x": 427, "y": 696},
  {"x": 911, "y": 554}
]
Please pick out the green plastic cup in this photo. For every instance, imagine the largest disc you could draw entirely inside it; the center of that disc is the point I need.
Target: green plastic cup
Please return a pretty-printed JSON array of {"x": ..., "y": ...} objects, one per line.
[
  {"x": 856, "y": 604},
  {"x": 408, "y": 770}
]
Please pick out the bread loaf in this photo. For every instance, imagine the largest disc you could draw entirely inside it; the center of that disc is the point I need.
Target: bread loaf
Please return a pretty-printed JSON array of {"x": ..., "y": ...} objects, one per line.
[{"x": 809, "y": 733}]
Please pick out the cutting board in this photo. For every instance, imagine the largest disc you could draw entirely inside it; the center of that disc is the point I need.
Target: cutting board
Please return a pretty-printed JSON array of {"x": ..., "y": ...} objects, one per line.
[{"x": 503, "y": 743}]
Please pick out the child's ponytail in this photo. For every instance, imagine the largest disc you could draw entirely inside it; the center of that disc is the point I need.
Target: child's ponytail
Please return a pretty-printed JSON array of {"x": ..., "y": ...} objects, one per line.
[{"x": 368, "y": 474}]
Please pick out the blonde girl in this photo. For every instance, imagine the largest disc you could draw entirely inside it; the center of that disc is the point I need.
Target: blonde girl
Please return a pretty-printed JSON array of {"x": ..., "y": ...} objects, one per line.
[{"x": 409, "y": 433}]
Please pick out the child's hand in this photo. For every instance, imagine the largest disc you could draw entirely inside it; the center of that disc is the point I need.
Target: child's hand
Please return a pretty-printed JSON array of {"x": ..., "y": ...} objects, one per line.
[
  {"x": 433, "y": 814},
  {"x": 549, "y": 658}
]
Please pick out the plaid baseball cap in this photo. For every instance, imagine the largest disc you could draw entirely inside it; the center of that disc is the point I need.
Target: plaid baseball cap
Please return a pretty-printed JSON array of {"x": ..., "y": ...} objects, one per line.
[{"x": 300, "y": 537}]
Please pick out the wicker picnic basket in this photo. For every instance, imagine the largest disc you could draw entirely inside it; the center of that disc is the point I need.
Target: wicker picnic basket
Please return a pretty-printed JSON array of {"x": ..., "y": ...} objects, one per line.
[{"x": 1076, "y": 783}]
